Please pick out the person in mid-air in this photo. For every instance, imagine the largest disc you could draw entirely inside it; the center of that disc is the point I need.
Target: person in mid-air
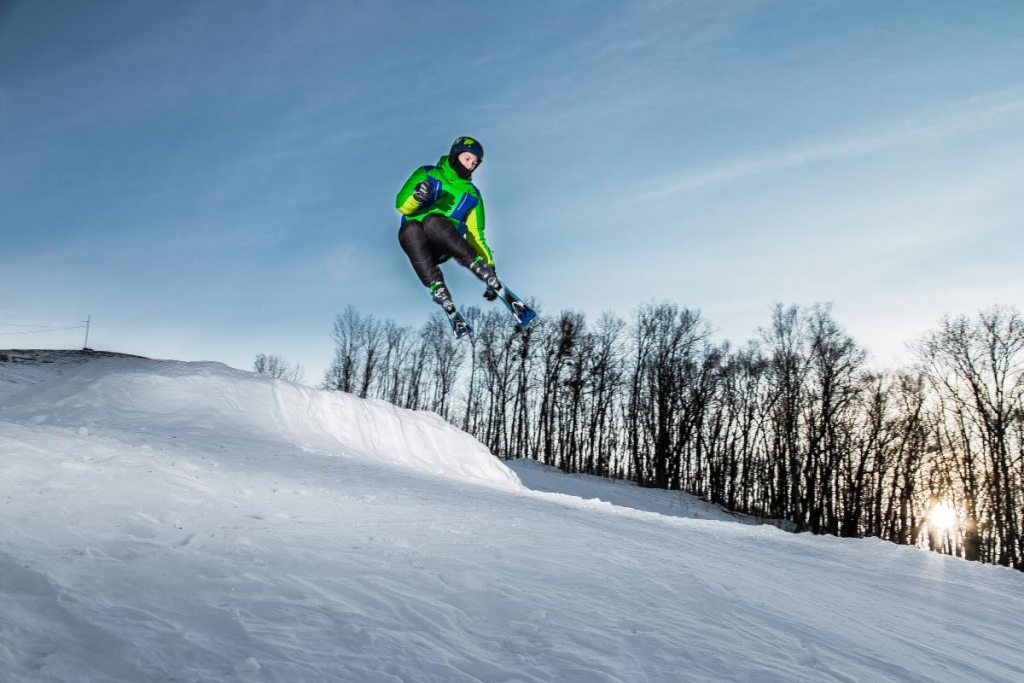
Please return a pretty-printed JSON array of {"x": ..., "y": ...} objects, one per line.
[{"x": 442, "y": 218}]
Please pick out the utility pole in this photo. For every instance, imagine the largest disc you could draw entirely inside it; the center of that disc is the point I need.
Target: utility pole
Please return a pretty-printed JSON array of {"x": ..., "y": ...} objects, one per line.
[{"x": 88, "y": 323}]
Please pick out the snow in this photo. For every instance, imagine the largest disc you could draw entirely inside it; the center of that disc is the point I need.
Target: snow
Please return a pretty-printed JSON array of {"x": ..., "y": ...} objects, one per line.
[
  {"x": 540, "y": 477},
  {"x": 168, "y": 521},
  {"x": 23, "y": 369},
  {"x": 206, "y": 401}
]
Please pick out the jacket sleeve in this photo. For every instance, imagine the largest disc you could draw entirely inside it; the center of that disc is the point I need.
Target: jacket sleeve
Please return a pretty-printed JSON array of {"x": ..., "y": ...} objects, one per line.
[
  {"x": 405, "y": 202},
  {"x": 475, "y": 233}
]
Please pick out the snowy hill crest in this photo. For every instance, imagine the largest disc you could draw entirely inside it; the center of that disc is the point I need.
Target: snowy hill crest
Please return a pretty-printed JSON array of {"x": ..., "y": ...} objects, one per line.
[{"x": 141, "y": 395}]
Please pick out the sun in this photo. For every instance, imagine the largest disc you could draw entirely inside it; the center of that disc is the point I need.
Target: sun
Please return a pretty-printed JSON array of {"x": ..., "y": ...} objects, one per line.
[{"x": 942, "y": 516}]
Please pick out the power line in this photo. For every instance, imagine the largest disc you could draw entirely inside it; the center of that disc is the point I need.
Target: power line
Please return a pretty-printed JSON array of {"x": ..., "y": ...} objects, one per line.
[
  {"x": 58, "y": 329},
  {"x": 39, "y": 326}
]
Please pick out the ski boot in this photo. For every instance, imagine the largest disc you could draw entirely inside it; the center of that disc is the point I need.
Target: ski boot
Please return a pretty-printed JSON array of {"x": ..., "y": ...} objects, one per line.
[
  {"x": 523, "y": 314},
  {"x": 443, "y": 298}
]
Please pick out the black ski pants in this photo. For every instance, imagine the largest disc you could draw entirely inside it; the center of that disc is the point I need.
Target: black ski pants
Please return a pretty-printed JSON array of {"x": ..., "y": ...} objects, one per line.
[{"x": 432, "y": 242}]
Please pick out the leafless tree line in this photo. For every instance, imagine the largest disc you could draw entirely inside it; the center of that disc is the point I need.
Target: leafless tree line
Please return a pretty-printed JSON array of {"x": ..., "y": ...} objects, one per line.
[{"x": 794, "y": 426}]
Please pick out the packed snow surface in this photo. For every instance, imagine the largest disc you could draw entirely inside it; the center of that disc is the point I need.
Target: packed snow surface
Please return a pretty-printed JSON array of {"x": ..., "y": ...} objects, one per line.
[{"x": 168, "y": 521}]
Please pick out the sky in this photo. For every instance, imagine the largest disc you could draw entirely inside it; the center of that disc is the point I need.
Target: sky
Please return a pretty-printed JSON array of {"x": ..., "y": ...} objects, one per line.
[{"x": 210, "y": 181}]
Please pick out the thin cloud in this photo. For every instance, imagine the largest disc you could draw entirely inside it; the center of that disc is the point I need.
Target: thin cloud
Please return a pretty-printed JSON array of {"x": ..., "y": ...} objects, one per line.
[{"x": 976, "y": 113}]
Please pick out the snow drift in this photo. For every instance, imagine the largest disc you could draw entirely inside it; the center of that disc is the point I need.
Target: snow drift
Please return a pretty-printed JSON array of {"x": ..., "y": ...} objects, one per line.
[{"x": 211, "y": 400}]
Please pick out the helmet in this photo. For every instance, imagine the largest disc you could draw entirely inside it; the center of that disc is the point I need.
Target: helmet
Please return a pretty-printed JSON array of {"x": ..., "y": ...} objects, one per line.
[{"x": 470, "y": 145}]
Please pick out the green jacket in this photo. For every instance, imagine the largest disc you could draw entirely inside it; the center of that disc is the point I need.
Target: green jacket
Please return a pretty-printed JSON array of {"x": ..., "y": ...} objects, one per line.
[{"x": 453, "y": 197}]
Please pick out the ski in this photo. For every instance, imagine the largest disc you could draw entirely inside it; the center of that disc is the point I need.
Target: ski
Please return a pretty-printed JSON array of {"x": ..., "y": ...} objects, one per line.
[
  {"x": 523, "y": 314},
  {"x": 459, "y": 325}
]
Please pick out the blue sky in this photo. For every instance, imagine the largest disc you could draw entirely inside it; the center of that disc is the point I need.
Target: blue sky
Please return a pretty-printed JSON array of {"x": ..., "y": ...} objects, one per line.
[{"x": 212, "y": 180}]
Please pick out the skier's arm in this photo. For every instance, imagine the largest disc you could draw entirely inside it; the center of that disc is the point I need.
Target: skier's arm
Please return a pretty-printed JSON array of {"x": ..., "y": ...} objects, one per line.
[
  {"x": 405, "y": 202},
  {"x": 475, "y": 233}
]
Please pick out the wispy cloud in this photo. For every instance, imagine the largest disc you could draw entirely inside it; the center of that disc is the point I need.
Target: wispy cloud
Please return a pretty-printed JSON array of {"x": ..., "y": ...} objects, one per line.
[{"x": 976, "y": 113}]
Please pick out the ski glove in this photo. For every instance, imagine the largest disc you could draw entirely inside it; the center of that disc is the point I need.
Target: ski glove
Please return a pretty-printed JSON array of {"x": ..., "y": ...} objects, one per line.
[{"x": 423, "y": 192}]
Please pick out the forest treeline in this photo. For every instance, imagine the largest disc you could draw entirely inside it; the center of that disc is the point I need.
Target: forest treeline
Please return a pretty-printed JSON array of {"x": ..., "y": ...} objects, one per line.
[{"x": 794, "y": 425}]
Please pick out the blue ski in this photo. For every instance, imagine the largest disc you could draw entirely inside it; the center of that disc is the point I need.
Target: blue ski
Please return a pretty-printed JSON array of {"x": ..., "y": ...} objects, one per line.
[
  {"x": 523, "y": 314},
  {"x": 459, "y": 325}
]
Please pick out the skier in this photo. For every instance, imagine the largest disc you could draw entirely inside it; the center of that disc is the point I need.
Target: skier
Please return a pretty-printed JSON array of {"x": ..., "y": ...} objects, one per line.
[{"x": 443, "y": 217}]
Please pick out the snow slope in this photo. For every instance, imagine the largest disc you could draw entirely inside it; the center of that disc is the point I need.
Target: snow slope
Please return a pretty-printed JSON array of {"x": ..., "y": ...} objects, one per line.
[
  {"x": 540, "y": 477},
  {"x": 187, "y": 522},
  {"x": 203, "y": 402}
]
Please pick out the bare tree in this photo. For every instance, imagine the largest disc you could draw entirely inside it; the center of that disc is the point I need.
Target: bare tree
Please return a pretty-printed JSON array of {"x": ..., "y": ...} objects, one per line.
[
  {"x": 398, "y": 343},
  {"x": 606, "y": 383},
  {"x": 358, "y": 342},
  {"x": 278, "y": 368},
  {"x": 831, "y": 472},
  {"x": 346, "y": 333},
  {"x": 556, "y": 341},
  {"x": 446, "y": 356},
  {"x": 372, "y": 337},
  {"x": 786, "y": 347}
]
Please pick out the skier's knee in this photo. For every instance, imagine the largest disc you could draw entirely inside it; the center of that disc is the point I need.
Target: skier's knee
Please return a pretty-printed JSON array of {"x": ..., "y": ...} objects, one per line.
[
  {"x": 435, "y": 223},
  {"x": 409, "y": 232}
]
